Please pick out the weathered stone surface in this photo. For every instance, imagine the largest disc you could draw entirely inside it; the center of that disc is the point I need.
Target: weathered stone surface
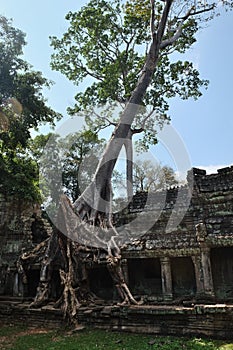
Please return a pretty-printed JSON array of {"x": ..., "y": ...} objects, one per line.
[
  {"x": 21, "y": 227},
  {"x": 189, "y": 263},
  {"x": 206, "y": 226},
  {"x": 214, "y": 320}
]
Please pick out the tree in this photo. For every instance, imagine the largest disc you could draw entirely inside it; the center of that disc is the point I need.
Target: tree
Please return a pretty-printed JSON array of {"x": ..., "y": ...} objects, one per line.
[
  {"x": 85, "y": 147},
  {"x": 108, "y": 41},
  {"x": 19, "y": 176},
  {"x": 22, "y": 107},
  {"x": 172, "y": 28},
  {"x": 173, "y": 25},
  {"x": 152, "y": 177},
  {"x": 69, "y": 154},
  {"x": 21, "y": 98}
]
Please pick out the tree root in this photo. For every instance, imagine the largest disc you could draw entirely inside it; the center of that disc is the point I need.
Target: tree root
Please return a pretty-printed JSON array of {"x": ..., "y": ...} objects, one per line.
[
  {"x": 73, "y": 259},
  {"x": 115, "y": 269},
  {"x": 42, "y": 295},
  {"x": 70, "y": 303}
]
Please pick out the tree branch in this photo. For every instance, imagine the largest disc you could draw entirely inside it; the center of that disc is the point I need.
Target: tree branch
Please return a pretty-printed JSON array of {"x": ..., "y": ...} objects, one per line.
[
  {"x": 97, "y": 77},
  {"x": 163, "y": 21},
  {"x": 104, "y": 118},
  {"x": 178, "y": 33},
  {"x": 129, "y": 164},
  {"x": 151, "y": 60},
  {"x": 152, "y": 18},
  {"x": 139, "y": 130},
  {"x": 210, "y": 8}
]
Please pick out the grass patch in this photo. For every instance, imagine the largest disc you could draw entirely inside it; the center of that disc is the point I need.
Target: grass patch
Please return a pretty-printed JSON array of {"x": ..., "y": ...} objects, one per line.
[{"x": 20, "y": 338}]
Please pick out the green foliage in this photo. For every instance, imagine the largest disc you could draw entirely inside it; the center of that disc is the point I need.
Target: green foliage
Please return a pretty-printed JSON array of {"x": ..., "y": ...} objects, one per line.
[
  {"x": 37, "y": 145},
  {"x": 22, "y": 107},
  {"x": 107, "y": 43},
  {"x": 80, "y": 161},
  {"x": 20, "y": 82},
  {"x": 97, "y": 44},
  {"x": 19, "y": 176},
  {"x": 66, "y": 163},
  {"x": 13, "y": 338}
]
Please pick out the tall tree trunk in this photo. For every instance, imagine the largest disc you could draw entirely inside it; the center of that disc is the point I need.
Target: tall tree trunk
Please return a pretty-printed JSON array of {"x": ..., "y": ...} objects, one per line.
[
  {"x": 100, "y": 186},
  {"x": 129, "y": 164},
  {"x": 94, "y": 205}
]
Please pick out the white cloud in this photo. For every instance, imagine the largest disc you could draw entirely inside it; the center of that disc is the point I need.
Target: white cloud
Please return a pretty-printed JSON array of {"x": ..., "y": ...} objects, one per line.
[
  {"x": 181, "y": 176},
  {"x": 211, "y": 169}
]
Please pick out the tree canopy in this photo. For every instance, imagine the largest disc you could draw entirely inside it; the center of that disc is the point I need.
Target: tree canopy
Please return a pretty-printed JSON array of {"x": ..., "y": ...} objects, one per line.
[
  {"x": 106, "y": 44},
  {"x": 22, "y": 107},
  {"x": 66, "y": 163},
  {"x": 129, "y": 52}
]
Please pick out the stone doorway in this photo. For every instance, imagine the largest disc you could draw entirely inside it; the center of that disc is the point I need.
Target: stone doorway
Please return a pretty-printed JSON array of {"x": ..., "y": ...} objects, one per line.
[
  {"x": 33, "y": 278},
  {"x": 222, "y": 270},
  {"x": 183, "y": 277},
  {"x": 101, "y": 283},
  {"x": 145, "y": 277}
]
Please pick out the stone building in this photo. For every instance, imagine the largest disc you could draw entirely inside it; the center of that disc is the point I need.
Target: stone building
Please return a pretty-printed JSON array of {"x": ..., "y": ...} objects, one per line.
[
  {"x": 194, "y": 258},
  {"x": 179, "y": 245},
  {"x": 22, "y": 226}
]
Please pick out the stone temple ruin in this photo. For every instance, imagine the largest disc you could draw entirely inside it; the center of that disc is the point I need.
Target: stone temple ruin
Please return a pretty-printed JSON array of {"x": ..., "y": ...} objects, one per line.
[{"x": 183, "y": 274}]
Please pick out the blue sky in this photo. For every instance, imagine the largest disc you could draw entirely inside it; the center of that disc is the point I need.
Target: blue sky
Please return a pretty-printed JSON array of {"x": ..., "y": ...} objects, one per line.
[{"x": 205, "y": 126}]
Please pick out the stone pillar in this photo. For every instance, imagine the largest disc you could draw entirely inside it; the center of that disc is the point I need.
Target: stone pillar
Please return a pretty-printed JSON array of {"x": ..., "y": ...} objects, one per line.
[
  {"x": 124, "y": 266},
  {"x": 207, "y": 272},
  {"x": 166, "y": 278},
  {"x": 198, "y": 275},
  {"x": 201, "y": 235},
  {"x": 18, "y": 287}
]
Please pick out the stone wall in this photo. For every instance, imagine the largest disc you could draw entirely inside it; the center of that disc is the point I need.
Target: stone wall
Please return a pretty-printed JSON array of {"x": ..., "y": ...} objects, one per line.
[
  {"x": 195, "y": 256},
  {"x": 21, "y": 226},
  {"x": 173, "y": 267},
  {"x": 215, "y": 321},
  {"x": 169, "y": 262}
]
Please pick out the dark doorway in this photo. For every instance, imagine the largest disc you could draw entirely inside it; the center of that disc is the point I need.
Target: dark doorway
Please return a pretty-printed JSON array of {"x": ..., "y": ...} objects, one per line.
[
  {"x": 56, "y": 287},
  {"x": 33, "y": 277},
  {"x": 101, "y": 283},
  {"x": 183, "y": 277},
  {"x": 145, "y": 276},
  {"x": 222, "y": 271}
]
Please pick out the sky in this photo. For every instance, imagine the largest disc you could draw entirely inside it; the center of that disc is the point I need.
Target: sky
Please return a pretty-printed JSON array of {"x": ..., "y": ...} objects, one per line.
[{"x": 204, "y": 126}]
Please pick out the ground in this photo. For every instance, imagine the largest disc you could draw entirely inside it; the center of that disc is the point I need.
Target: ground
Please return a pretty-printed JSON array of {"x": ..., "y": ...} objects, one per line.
[{"x": 21, "y": 338}]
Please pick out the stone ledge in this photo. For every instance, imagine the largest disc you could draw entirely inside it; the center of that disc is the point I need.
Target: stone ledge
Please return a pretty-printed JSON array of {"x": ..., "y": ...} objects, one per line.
[{"x": 215, "y": 321}]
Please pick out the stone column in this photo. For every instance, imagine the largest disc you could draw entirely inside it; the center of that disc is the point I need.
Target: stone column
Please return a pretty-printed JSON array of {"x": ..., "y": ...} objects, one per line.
[
  {"x": 16, "y": 284},
  {"x": 124, "y": 266},
  {"x": 166, "y": 278},
  {"x": 201, "y": 235},
  {"x": 207, "y": 272},
  {"x": 198, "y": 275},
  {"x": 19, "y": 289}
]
